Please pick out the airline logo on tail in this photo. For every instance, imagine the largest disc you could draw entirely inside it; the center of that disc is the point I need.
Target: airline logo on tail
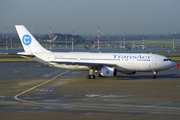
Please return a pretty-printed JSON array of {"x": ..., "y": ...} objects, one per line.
[{"x": 26, "y": 39}]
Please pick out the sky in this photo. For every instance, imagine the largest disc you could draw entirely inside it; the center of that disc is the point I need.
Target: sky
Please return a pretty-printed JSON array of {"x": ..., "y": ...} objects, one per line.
[{"x": 85, "y": 16}]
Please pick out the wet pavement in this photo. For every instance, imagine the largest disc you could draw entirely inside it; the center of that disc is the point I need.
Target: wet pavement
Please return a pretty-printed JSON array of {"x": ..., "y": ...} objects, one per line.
[
  {"x": 28, "y": 88},
  {"x": 134, "y": 95},
  {"x": 35, "y": 70}
]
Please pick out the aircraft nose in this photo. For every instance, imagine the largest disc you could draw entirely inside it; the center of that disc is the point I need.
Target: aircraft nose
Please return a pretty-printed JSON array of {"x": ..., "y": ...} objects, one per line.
[{"x": 173, "y": 64}]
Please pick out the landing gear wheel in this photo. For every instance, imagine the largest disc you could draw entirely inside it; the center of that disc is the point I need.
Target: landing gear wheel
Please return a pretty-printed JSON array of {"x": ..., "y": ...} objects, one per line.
[
  {"x": 100, "y": 75},
  {"x": 93, "y": 76},
  {"x": 88, "y": 77},
  {"x": 154, "y": 77}
]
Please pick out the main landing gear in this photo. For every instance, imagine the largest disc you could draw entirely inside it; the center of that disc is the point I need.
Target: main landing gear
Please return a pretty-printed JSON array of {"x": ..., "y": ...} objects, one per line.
[
  {"x": 154, "y": 76},
  {"x": 90, "y": 76}
]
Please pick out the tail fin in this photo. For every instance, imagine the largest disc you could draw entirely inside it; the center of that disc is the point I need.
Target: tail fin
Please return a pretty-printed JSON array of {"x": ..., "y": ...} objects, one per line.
[{"x": 30, "y": 44}]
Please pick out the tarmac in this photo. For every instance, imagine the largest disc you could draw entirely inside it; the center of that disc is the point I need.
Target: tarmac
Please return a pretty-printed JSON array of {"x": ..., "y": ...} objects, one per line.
[{"x": 31, "y": 90}]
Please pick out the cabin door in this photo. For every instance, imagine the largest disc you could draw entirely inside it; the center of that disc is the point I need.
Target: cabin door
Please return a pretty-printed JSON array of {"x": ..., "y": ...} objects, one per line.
[{"x": 154, "y": 60}]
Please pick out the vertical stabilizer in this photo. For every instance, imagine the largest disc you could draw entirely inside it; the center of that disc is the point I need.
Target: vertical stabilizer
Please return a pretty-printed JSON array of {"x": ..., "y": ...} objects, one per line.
[{"x": 30, "y": 44}]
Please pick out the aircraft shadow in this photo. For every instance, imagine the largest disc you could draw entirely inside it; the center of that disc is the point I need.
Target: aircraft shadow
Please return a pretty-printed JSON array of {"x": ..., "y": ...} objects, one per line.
[{"x": 147, "y": 76}]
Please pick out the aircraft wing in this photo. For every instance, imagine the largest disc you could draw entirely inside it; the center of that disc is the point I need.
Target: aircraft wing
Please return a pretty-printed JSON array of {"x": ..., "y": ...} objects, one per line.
[{"x": 86, "y": 64}]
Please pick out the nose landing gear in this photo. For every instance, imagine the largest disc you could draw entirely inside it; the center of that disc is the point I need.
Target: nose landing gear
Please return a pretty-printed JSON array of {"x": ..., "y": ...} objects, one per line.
[{"x": 154, "y": 76}]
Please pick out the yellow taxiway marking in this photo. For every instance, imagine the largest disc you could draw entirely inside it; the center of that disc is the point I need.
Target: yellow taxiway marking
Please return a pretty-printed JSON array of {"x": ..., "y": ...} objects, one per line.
[
  {"x": 96, "y": 106},
  {"x": 60, "y": 104},
  {"x": 16, "y": 96}
]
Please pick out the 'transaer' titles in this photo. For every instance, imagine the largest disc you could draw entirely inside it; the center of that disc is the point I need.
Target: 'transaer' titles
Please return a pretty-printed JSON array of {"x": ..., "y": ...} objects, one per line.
[{"x": 131, "y": 57}]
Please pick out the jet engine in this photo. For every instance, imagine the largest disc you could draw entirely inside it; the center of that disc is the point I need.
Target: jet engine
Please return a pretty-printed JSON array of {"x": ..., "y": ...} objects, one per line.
[{"x": 108, "y": 72}]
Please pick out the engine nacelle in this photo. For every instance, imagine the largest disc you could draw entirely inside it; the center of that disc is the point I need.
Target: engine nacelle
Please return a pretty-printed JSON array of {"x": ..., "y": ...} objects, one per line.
[
  {"x": 108, "y": 72},
  {"x": 129, "y": 72}
]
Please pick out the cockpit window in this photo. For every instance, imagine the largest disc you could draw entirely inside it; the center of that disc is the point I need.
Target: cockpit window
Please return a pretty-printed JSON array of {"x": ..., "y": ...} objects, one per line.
[{"x": 167, "y": 59}]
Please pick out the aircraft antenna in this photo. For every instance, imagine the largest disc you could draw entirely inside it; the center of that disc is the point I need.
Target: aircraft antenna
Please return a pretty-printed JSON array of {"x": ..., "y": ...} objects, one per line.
[{"x": 6, "y": 40}]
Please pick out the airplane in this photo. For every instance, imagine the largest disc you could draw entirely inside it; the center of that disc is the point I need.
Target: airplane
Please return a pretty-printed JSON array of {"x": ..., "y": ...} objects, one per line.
[
  {"x": 52, "y": 39},
  {"x": 104, "y": 64}
]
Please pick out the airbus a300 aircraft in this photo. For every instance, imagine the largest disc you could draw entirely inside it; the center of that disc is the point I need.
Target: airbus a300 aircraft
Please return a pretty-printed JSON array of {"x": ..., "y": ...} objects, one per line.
[{"x": 104, "y": 64}]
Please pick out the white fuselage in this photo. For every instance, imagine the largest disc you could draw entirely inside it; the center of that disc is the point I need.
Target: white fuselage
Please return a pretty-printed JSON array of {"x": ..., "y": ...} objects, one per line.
[
  {"x": 104, "y": 64},
  {"x": 123, "y": 62}
]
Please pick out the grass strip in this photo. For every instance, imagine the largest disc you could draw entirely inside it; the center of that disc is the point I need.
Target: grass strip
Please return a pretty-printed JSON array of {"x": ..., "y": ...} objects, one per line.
[
  {"x": 175, "y": 58},
  {"x": 15, "y": 60},
  {"x": 7, "y": 55},
  {"x": 169, "y": 54}
]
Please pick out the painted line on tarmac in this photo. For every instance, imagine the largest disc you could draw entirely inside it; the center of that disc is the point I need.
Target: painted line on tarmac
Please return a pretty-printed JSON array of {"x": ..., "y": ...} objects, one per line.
[
  {"x": 123, "y": 107},
  {"x": 96, "y": 106},
  {"x": 16, "y": 96}
]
